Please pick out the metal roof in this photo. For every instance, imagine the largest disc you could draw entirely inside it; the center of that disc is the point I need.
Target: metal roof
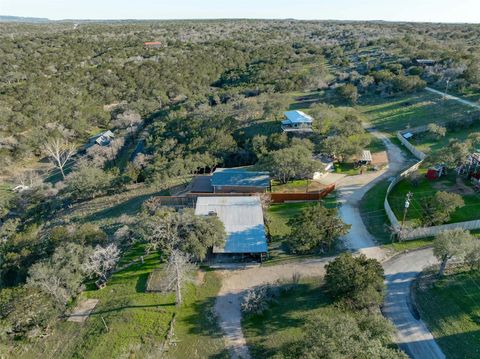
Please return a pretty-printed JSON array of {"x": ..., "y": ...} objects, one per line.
[
  {"x": 240, "y": 177},
  {"x": 243, "y": 221},
  {"x": 293, "y": 117},
  {"x": 366, "y": 156}
]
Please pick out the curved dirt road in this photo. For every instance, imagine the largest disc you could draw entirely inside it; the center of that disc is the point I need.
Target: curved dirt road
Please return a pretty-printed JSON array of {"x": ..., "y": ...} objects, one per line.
[{"x": 412, "y": 334}]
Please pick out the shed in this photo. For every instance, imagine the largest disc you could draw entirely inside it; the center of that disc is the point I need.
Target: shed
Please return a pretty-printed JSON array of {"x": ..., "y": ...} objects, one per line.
[
  {"x": 365, "y": 158},
  {"x": 435, "y": 172},
  {"x": 243, "y": 221},
  {"x": 407, "y": 135},
  {"x": 239, "y": 180},
  {"x": 102, "y": 139}
]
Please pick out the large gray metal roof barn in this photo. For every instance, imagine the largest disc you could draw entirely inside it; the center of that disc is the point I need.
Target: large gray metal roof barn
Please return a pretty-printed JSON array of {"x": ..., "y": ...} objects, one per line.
[{"x": 243, "y": 221}]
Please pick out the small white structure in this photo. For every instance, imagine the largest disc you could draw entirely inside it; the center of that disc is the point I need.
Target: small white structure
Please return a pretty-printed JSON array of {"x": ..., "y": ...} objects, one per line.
[
  {"x": 102, "y": 139},
  {"x": 20, "y": 188},
  {"x": 407, "y": 135},
  {"x": 297, "y": 121}
]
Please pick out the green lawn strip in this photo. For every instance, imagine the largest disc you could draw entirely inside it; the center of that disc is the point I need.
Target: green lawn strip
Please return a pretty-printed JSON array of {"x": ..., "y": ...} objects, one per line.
[
  {"x": 283, "y": 322},
  {"x": 410, "y": 110},
  {"x": 292, "y": 185},
  {"x": 373, "y": 212},
  {"x": 450, "y": 309},
  {"x": 138, "y": 321},
  {"x": 425, "y": 189},
  {"x": 410, "y": 245}
]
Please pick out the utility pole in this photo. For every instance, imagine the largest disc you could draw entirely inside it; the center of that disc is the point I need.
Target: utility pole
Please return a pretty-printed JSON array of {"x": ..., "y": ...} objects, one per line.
[
  {"x": 407, "y": 205},
  {"x": 446, "y": 89}
]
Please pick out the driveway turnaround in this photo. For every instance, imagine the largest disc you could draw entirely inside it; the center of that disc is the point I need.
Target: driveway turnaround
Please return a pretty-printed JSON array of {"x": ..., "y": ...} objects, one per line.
[{"x": 412, "y": 335}]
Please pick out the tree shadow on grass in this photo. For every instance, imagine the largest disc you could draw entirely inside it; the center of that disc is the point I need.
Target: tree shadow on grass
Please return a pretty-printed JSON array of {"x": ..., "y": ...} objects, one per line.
[
  {"x": 128, "y": 207},
  {"x": 141, "y": 285}
]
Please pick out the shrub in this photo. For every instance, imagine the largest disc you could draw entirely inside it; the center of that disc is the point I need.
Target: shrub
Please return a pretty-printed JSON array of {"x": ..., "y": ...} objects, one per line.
[{"x": 257, "y": 299}]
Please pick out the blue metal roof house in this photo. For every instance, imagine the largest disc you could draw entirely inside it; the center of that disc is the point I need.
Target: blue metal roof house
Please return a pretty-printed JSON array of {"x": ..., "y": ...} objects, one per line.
[
  {"x": 239, "y": 180},
  {"x": 297, "y": 121},
  {"x": 243, "y": 221}
]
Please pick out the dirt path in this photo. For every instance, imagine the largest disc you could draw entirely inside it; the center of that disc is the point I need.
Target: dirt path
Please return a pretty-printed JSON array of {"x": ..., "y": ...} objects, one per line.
[
  {"x": 455, "y": 98},
  {"x": 350, "y": 189}
]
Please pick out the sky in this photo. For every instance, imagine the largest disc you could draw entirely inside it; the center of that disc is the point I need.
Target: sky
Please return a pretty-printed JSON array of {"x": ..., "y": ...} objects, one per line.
[{"x": 390, "y": 10}]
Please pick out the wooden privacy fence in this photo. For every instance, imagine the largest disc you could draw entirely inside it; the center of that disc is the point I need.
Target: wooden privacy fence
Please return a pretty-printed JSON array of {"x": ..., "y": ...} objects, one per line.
[{"x": 308, "y": 196}]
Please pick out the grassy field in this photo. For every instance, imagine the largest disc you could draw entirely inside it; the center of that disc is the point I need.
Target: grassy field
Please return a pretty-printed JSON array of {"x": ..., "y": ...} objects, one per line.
[
  {"x": 282, "y": 323},
  {"x": 450, "y": 307},
  {"x": 137, "y": 322},
  {"x": 411, "y": 110},
  {"x": 427, "y": 143},
  {"x": 426, "y": 189}
]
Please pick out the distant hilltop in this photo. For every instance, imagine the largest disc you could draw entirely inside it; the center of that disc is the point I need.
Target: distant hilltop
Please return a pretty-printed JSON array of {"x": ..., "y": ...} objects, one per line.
[{"x": 6, "y": 18}]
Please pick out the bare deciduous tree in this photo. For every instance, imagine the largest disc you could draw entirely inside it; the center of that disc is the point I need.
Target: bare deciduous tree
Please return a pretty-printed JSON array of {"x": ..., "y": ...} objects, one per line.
[
  {"x": 178, "y": 272},
  {"x": 102, "y": 260},
  {"x": 60, "y": 151}
]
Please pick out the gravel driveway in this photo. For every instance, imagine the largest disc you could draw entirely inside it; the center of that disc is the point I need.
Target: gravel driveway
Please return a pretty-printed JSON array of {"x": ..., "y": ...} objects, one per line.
[{"x": 413, "y": 336}]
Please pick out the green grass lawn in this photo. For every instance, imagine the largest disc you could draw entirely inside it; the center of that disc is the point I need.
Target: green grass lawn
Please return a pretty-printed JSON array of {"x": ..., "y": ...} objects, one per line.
[
  {"x": 278, "y": 214},
  {"x": 427, "y": 189},
  {"x": 411, "y": 110},
  {"x": 451, "y": 309},
  {"x": 376, "y": 220},
  {"x": 138, "y": 321},
  {"x": 292, "y": 186},
  {"x": 346, "y": 168},
  {"x": 283, "y": 322}
]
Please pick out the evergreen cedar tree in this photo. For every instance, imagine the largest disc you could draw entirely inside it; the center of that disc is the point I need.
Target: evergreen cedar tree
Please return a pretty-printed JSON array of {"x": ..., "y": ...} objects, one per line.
[{"x": 356, "y": 282}]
